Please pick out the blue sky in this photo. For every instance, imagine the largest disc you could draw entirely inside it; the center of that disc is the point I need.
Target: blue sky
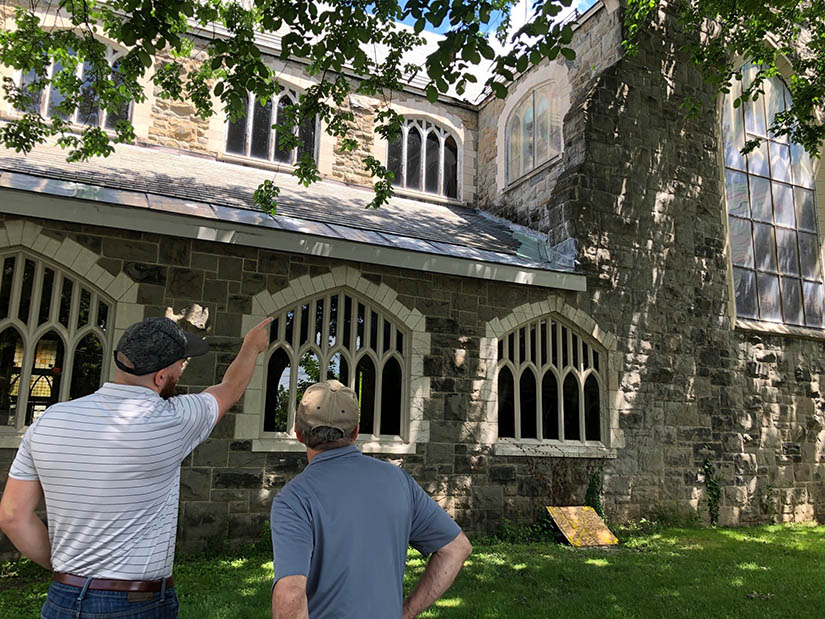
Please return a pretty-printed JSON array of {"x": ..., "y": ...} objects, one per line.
[{"x": 580, "y": 5}]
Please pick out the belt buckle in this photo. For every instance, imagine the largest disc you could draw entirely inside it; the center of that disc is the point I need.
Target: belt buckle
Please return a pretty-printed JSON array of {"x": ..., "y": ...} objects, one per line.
[{"x": 139, "y": 596}]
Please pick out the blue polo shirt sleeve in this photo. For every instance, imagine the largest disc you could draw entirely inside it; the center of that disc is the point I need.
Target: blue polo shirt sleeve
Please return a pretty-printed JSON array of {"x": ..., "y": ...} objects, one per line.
[
  {"x": 292, "y": 536},
  {"x": 432, "y": 528}
]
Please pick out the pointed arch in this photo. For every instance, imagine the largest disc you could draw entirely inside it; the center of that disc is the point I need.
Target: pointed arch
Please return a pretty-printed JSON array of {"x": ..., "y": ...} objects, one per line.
[
  {"x": 361, "y": 321},
  {"x": 555, "y": 363},
  {"x": 64, "y": 307}
]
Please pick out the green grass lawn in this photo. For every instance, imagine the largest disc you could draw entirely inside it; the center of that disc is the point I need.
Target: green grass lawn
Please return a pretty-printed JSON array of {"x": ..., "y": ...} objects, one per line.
[{"x": 769, "y": 571}]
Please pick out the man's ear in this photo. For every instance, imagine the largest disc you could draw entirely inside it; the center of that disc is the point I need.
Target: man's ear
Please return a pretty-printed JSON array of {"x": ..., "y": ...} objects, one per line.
[
  {"x": 158, "y": 378},
  {"x": 355, "y": 432},
  {"x": 299, "y": 436}
]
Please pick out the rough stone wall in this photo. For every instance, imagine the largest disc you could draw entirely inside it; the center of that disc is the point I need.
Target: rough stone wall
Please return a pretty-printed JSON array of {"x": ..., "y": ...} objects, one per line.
[
  {"x": 226, "y": 488},
  {"x": 644, "y": 199},
  {"x": 174, "y": 124},
  {"x": 348, "y": 166},
  {"x": 539, "y": 199}
]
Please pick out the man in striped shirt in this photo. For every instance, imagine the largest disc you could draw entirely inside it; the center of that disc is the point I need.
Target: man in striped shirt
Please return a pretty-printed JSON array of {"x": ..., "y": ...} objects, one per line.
[{"x": 108, "y": 465}]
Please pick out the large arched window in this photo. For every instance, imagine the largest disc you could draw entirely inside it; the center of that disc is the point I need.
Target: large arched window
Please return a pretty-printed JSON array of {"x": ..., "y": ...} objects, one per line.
[
  {"x": 253, "y": 134},
  {"x": 338, "y": 335},
  {"x": 550, "y": 386},
  {"x": 774, "y": 246},
  {"x": 533, "y": 132},
  {"x": 424, "y": 157},
  {"x": 88, "y": 111},
  {"x": 55, "y": 337}
]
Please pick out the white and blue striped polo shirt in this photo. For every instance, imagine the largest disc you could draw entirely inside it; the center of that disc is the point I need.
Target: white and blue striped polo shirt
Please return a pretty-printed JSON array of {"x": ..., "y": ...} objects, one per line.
[{"x": 109, "y": 464}]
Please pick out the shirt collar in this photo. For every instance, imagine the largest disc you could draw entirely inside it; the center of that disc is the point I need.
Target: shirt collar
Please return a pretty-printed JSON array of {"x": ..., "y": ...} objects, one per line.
[
  {"x": 340, "y": 452},
  {"x": 127, "y": 391}
]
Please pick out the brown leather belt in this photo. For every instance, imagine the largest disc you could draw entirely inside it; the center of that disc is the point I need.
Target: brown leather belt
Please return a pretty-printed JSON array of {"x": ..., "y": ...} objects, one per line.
[{"x": 105, "y": 584}]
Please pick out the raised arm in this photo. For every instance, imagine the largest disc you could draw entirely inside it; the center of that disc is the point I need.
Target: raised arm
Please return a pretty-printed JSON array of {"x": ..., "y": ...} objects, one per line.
[
  {"x": 239, "y": 372},
  {"x": 20, "y": 523},
  {"x": 442, "y": 568},
  {"x": 289, "y": 598}
]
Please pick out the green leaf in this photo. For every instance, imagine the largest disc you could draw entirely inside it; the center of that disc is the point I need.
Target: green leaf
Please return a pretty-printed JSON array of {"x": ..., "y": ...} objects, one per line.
[
  {"x": 499, "y": 90},
  {"x": 145, "y": 59},
  {"x": 568, "y": 53},
  {"x": 432, "y": 93}
]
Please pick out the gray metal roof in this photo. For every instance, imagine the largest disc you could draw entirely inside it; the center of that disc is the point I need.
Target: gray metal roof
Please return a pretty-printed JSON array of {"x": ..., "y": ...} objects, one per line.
[{"x": 205, "y": 188}]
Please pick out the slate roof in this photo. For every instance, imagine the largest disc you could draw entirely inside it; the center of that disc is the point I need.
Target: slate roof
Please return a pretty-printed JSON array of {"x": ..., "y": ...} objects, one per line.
[{"x": 204, "y": 187}]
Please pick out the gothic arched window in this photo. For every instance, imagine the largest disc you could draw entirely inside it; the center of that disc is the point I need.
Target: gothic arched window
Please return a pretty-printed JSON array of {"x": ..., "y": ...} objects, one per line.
[
  {"x": 55, "y": 337},
  {"x": 424, "y": 158},
  {"x": 533, "y": 132},
  {"x": 342, "y": 336},
  {"x": 550, "y": 386},
  {"x": 772, "y": 227},
  {"x": 254, "y": 135},
  {"x": 88, "y": 111}
]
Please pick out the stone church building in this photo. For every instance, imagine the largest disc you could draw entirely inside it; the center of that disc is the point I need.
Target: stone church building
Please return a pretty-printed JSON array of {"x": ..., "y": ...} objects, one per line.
[{"x": 574, "y": 280}]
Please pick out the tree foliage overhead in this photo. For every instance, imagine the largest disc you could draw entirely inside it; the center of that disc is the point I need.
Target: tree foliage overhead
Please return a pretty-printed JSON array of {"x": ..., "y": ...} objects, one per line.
[
  {"x": 336, "y": 41},
  {"x": 768, "y": 33}
]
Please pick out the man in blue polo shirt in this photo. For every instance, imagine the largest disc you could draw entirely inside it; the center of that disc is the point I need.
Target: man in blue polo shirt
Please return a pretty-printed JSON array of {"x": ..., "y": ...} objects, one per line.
[{"x": 341, "y": 528}]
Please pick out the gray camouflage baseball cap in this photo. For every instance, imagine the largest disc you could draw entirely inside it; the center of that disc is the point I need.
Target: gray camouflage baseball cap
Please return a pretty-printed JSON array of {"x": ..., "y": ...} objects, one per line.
[{"x": 156, "y": 343}]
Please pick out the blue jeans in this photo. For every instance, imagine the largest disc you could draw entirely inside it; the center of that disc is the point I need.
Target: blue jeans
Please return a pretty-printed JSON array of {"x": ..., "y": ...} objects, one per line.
[{"x": 66, "y": 602}]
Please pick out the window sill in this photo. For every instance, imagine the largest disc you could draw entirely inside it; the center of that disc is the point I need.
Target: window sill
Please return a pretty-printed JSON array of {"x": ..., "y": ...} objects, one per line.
[
  {"x": 554, "y": 449},
  {"x": 403, "y": 192},
  {"x": 252, "y": 162},
  {"x": 10, "y": 439},
  {"x": 528, "y": 175},
  {"x": 367, "y": 445},
  {"x": 775, "y": 328}
]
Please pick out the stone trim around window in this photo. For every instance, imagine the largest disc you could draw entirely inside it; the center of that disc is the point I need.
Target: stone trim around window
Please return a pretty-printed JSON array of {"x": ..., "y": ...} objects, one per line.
[
  {"x": 249, "y": 423},
  {"x": 79, "y": 263},
  {"x": 613, "y": 437}
]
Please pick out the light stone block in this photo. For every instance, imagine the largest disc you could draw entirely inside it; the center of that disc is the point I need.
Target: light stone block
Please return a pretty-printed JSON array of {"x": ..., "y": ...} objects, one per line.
[
  {"x": 128, "y": 314},
  {"x": 279, "y": 300},
  {"x": 488, "y": 348},
  {"x": 339, "y": 275},
  {"x": 417, "y": 365},
  {"x": 119, "y": 286},
  {"x": 85, "y": 260},
  {"x": 51, "y": 247},
  {"x": 14, "y": 230},
  {"x": 420, "y": 387},
  {"x": 265, "y": 301},
  {"x": 104, "y": 280},
  {"x": 327, "y": 281},
  {"x": 421, "y": 343},
  {"x": 352, "y": 277},
  {"x": 94, "y": 273},
  {"x": 257, "y": 308},
  {"x": 130, "y": 296},
  {"x": 68, "y": 251},
  {"x": 29, "y": 233},
  {"x": 288, "y": 295},
  {"x": 420, "y": 431},
  {"x": 4, "y": 238},
  {"x": 304, "y": 284},
  {"x": 252, "y": 401},
  {"x": 495, "y": 328},
  {"x": 248, "y": 321},
  {"x": 247, "y": 426}
]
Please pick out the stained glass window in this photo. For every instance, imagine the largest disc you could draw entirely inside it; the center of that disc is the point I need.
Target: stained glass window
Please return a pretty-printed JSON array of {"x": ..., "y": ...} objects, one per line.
[
  {"x": 424, "y": 157},
  {"x": 88, "y": 110},
  {"x": 533, "y": 132},
  {"x": 254, "y": 135},
  {"x": 774, "y": 247},
  {"x": 74, "y": 347}
]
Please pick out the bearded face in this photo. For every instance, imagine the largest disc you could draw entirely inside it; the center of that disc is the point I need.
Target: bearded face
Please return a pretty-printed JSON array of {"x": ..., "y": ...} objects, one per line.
[{"x": 168, "y": 389}]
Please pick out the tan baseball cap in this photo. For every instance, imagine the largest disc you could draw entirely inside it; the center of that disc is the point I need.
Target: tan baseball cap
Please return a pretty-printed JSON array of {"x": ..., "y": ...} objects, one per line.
[{"x": 329, "y": 403}]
